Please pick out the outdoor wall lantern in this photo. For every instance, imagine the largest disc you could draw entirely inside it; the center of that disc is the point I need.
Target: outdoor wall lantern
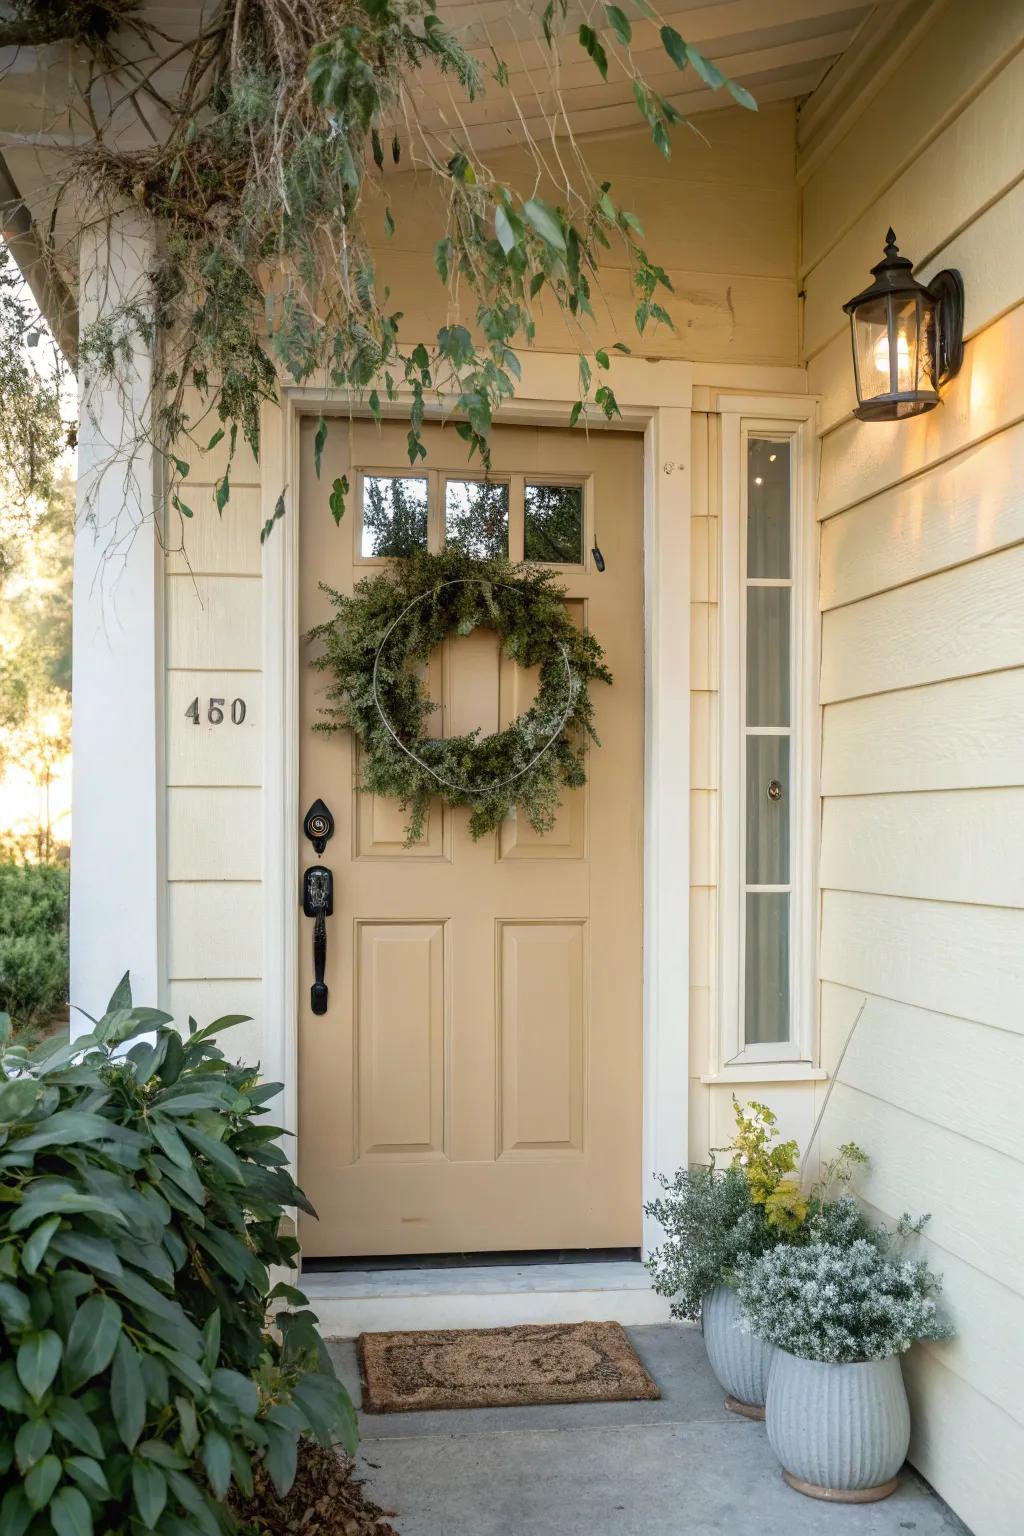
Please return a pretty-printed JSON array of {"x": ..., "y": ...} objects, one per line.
[{"x": 908, "y": 338}]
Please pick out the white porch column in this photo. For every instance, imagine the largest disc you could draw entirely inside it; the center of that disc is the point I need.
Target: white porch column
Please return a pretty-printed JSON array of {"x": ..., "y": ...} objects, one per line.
[{"x": 117, "y": 710}]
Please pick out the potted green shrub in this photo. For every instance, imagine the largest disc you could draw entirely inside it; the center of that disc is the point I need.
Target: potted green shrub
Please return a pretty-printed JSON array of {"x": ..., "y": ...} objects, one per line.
[
  {"x": 839, "y": 1310},
  {"x": 716, "y": 1220}
]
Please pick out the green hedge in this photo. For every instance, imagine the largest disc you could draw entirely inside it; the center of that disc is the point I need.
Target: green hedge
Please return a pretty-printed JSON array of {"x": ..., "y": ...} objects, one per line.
[{"x": 33, "y": 941}]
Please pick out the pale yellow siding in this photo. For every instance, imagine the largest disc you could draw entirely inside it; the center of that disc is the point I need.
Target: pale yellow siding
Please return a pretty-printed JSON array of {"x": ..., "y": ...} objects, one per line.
[
  {"x": 213, "y": 647},
  {"x": 922, "y": 687}
]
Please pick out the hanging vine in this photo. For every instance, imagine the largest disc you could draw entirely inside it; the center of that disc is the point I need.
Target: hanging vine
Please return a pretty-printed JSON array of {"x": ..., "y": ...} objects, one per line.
[{"x": 266, "y": 175}]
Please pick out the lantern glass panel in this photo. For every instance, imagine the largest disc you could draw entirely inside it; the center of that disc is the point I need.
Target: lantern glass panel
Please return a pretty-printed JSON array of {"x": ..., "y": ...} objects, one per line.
[{"x": 871, "y": 348}]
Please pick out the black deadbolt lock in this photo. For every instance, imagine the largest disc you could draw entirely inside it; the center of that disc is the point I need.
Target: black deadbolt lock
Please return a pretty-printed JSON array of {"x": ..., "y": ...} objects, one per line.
[{"x": 318, "y": 826}]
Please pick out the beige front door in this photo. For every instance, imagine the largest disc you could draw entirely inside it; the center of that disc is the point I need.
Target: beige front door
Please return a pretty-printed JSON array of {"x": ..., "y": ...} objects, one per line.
[{"x": 475, "y": 1083}]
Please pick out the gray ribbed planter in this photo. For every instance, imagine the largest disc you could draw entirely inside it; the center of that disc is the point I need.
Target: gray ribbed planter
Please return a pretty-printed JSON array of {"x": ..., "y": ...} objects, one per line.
[
  {"x": 741, "y": 1361},
  {"x": 841, "y": 1432}
]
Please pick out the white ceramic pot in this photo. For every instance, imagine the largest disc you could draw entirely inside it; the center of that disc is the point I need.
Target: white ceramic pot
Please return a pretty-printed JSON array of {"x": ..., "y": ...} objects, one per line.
[
  {"x": 841, "y": 1432},
  {"x": 741, "y": 1361}
]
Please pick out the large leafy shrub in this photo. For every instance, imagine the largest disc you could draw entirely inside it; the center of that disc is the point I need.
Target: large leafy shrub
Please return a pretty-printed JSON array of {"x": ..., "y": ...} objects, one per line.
[
  {"x": 33, "y": 941},
  {"x": 141, "y": 1198}
]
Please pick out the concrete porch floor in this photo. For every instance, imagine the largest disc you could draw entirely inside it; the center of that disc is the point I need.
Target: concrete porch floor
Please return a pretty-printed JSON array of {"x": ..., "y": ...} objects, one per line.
[{"x": 678, "y": 1467}]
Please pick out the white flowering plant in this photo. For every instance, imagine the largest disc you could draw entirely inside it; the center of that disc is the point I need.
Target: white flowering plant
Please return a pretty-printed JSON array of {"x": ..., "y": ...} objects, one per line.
[{"x": 845, "y": 1296}]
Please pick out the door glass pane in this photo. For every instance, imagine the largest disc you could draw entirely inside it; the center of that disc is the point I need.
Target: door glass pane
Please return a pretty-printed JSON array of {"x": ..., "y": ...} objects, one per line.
[
  {"x": 553, "y": 523},
  {"x": 394, "y": 516},
  {"x": 767, "y": 818},
  {"x": 476, "y": 516},
  {"x": 768, "y": 655},
  {"x": 766, "y": 993},
  {"x": 768, "y": 504}
]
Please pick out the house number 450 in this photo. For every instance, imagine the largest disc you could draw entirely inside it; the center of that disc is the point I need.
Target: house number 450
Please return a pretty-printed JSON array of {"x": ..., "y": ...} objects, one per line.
[{"x": 215, "y": 711}]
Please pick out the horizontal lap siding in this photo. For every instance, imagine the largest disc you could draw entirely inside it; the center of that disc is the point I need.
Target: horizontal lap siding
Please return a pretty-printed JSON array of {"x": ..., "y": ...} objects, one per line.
[
  {"x": 922, "y": 687},
  {"x": 214, "y": 815}
]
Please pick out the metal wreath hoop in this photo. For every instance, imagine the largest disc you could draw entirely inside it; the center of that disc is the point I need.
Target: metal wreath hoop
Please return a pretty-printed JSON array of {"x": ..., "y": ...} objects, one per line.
[{"x": 466, "y": 789}]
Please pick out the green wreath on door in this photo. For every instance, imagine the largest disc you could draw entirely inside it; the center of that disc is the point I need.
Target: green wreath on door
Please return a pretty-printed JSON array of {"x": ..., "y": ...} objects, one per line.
[{"x": 374, "y": 648}]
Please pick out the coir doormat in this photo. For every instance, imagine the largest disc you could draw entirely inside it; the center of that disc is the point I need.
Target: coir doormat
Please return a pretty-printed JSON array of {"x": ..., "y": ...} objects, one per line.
[{"x": 501, "y": 1367}]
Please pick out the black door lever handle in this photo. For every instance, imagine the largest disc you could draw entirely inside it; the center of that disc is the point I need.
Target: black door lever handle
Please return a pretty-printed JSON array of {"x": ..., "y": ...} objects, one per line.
[{"x": 318, "y": 903}]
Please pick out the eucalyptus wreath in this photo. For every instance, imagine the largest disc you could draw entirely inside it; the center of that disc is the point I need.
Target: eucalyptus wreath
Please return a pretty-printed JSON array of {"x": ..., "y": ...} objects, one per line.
[{"x": 374, "y": 648}]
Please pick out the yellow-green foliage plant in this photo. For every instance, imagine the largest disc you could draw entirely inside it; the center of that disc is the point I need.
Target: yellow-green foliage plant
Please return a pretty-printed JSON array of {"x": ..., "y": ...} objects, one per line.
[{"x": 771, "y": 1169}]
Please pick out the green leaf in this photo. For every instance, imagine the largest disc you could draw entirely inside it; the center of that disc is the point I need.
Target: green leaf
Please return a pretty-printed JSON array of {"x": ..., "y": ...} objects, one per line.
[
  {"x": 708, "y": 72},
  {"x": 378, "y": 149},
  {"x": 443, "y": 259},
  {"x": 179, "y": 506},
  {"x": 211, "y": 1341},
  {"x": 214, "y": 440},
  {"x": 281, "y": 1455},
  {"x": 619, "y": 24},
  {"x": 92, "y": 1339},
  {"x": 389, "y": 223},
  {"x": 592, "y": 43},
  {"x": 88, "y": 1472},
  {"x": 222, "y": 493},
  {"x": 318, "y": 444},
  {"x": 275, "y": 517},
  {"x": 216, "y": 1456},
  {"x": 70, "y": 1514},
  {"x": 14, "y": 1308},
  {"x": 574, "y": 414},
  {"x": 674, "y": 46},
  {"x": 601, "y": 358},
  {"x": 546, "y": 223},
  {"x": 121, "y": 997},
  {"x": 188, "y": 1422},
  {"x": 503, "y": 229},
  {"x": 17, "y": 1099},
  {"x": 41, "y": 1481},
  {"x": 12, "y": 1393},
  {"x": 37, "y": 1244},
  {"x": 15, "y": 1513},
  {"x": 741, "y": 95},
  {"x": 38, "y": 1359},
  {"x": 127, "y": 1394},
  {"x": 150, "y": 1489},
  {"x": 71, "y": 1421},
  {"x": 336, "y": 500},
  {"x": 31, "y": 1443},
  {"x": 536, "y": 284}
]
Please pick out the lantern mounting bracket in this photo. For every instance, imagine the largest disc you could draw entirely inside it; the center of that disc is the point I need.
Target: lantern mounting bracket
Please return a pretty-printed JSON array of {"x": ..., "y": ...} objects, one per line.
[{"x": 947, "y": 288}]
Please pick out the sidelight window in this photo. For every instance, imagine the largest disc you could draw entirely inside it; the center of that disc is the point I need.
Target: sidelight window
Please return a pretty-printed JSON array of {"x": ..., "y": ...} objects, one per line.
[{"x": 767, "y": 725}]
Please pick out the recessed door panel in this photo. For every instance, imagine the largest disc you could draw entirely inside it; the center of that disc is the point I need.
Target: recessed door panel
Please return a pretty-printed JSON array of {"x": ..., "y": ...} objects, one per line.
[
  {"x": 543, "y": 1046},
  {"x": 400, "y": 985}
]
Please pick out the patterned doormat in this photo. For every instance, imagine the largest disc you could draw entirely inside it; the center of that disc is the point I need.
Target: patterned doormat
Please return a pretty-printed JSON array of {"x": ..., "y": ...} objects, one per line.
[{"x": 501, "y": 1367}]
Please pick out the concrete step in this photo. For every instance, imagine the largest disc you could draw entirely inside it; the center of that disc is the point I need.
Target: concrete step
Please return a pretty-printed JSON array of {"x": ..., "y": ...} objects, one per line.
[{"x": 350, "y": 1302}]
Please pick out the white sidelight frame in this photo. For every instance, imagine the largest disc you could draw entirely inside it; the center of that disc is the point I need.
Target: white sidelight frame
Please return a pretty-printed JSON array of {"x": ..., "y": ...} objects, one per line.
[
  {"x": 744, "y": 417},
  {"x": 655, "y": 398}
]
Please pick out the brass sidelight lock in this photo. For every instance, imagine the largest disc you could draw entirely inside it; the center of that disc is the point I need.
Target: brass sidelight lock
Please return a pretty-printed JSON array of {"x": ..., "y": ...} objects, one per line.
[
  {"x": 318, "y": 899},
  {"x": 774, "y": 790}
]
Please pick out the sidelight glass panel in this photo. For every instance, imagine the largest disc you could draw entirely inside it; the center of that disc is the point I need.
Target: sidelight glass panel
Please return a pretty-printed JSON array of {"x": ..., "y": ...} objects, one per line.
[
  {"x": 394, "y": 516},
  {"x": 476, "y": 516},
  {"x": 766, "y": 989},
  {"x": 768, "y": 655},
  {"x": 553, "y": 523},
  {"x": 768, "y": 816},
  {"x": 768, "y": 508}
]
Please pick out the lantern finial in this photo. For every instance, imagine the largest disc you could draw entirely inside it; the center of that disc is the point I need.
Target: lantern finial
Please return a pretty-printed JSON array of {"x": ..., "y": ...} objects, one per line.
[{"x": 891, "y": 248}]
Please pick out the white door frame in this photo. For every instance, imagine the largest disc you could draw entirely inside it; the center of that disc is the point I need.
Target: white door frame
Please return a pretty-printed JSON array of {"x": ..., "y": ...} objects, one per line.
[{"x": 654, "y": 397}]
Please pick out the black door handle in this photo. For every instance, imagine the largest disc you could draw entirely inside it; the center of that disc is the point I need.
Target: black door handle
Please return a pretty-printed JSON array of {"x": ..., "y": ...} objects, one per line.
[{"x": 318, "y": 903}]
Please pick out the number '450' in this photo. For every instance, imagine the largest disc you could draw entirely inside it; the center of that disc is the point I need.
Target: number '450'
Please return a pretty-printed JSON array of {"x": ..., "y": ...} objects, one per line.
[{"x": 215, "y": 711}]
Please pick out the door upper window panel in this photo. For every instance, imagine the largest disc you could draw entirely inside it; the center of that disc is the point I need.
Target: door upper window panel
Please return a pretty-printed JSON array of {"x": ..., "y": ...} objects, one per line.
[
  {"x": 476, "y": 516},
  {"x": 394, "y": 516},
  {"x": 553, "y": 524}
]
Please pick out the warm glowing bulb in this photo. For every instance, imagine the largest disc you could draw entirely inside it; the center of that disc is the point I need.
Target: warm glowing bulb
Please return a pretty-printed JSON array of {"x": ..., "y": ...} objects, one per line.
[
  {"x": 772, "y": 457},
  {"x": 902, "y": 355},
  {"x": 758, "y": 480}
]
